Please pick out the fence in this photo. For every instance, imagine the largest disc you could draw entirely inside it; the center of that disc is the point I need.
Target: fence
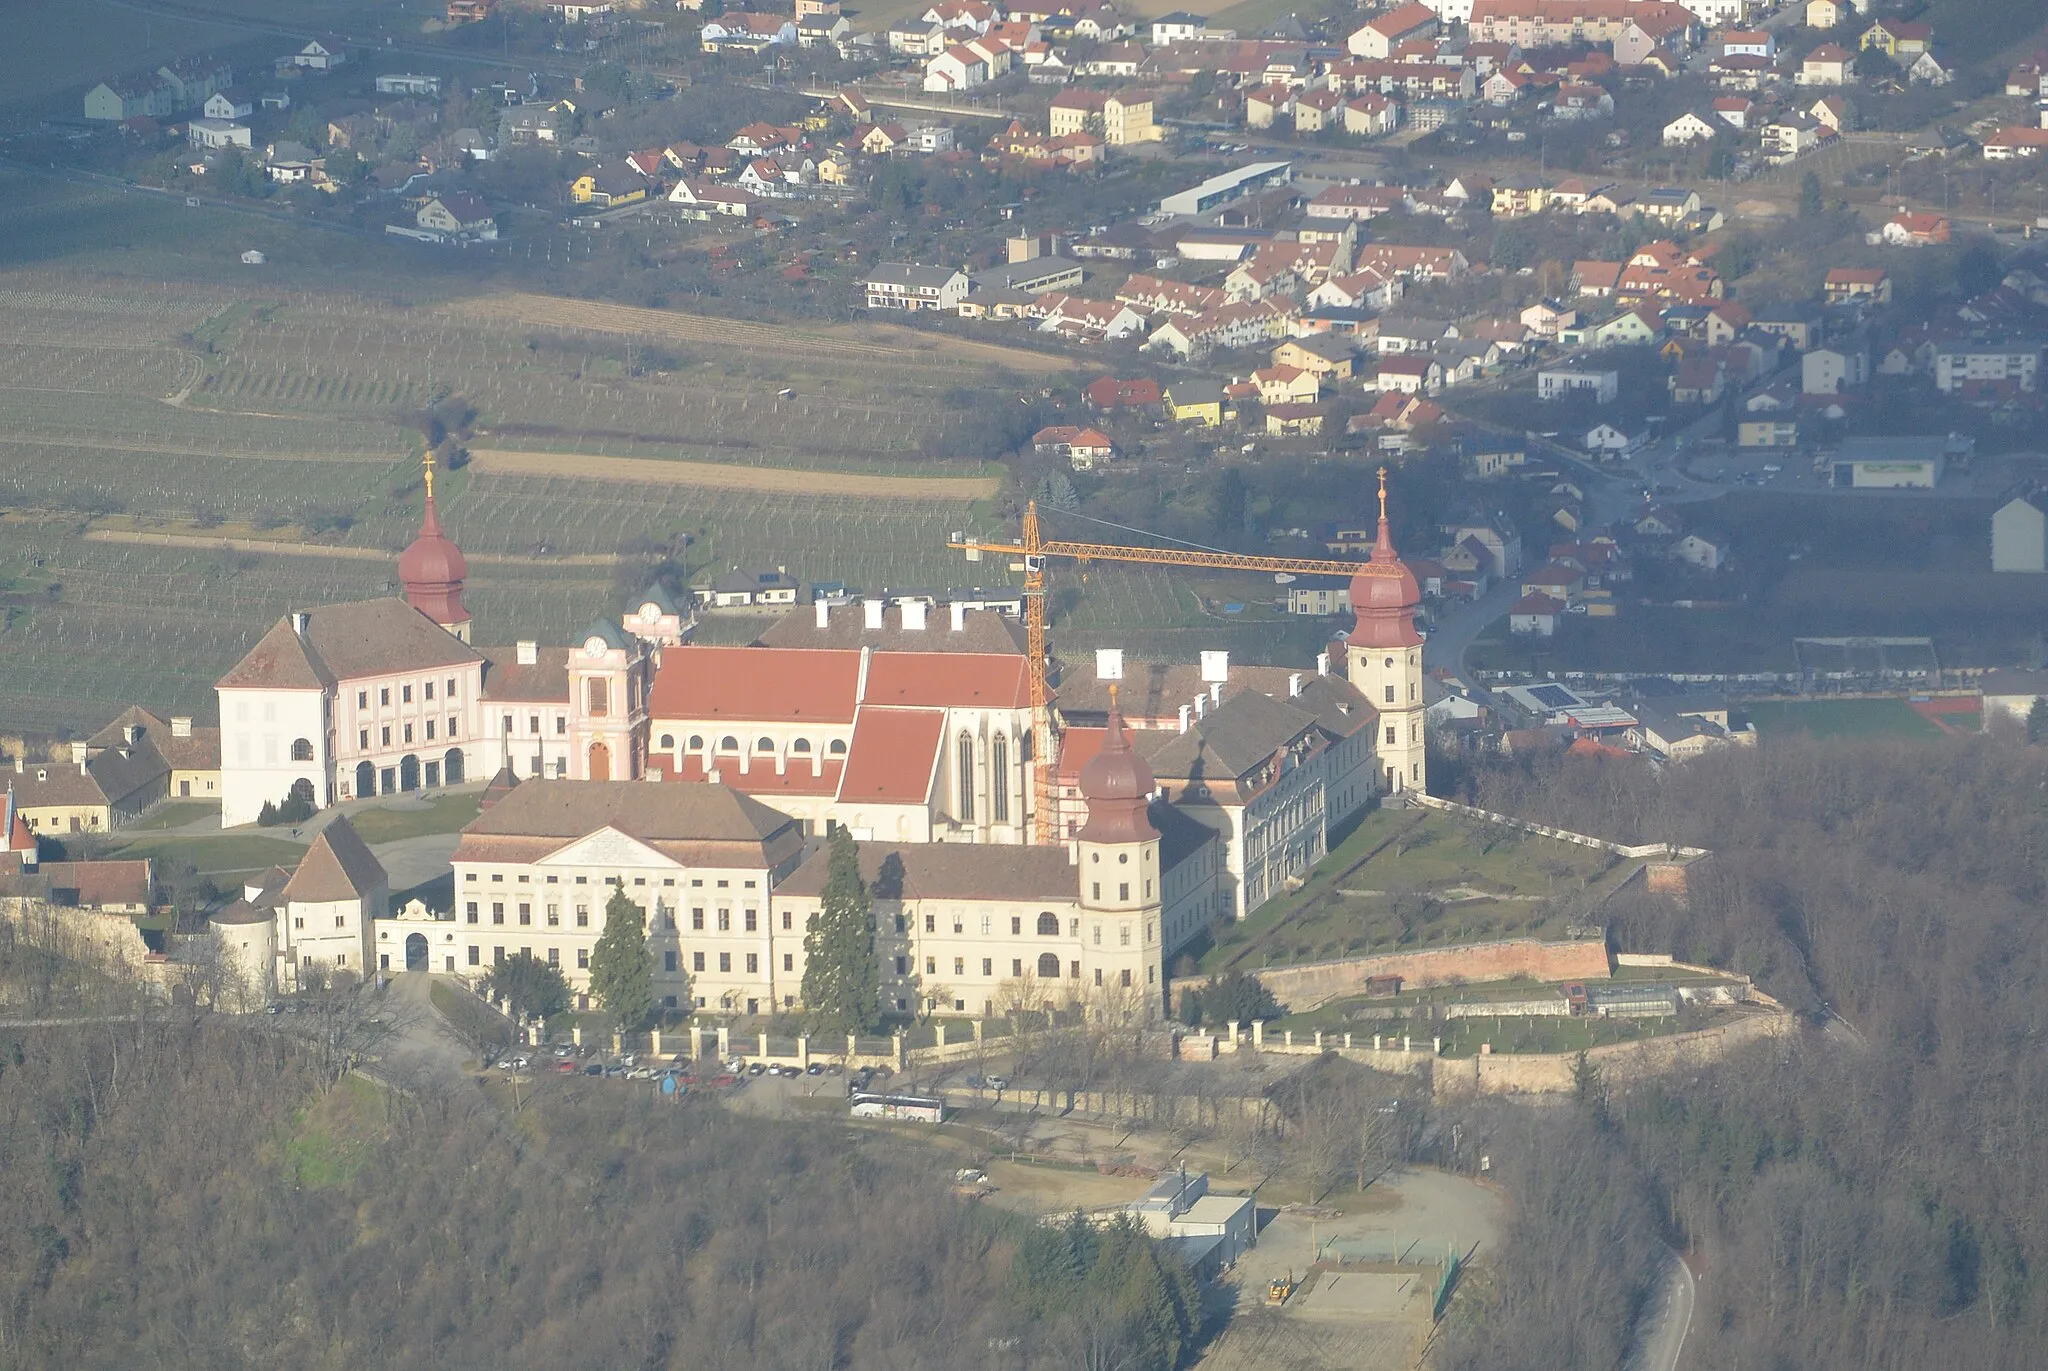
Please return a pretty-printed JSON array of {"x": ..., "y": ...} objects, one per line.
[{"x": 1669, "y": 851}]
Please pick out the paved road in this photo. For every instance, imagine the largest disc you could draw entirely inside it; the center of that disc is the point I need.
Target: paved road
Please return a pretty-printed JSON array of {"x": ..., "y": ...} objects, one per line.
[
  {"x": 1660, "y": 1334},
  {"x": 1457, "y": 627}
]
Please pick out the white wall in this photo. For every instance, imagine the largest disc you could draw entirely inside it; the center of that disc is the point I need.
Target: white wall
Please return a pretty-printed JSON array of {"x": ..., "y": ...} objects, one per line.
[{"x": 257, "y": 729}]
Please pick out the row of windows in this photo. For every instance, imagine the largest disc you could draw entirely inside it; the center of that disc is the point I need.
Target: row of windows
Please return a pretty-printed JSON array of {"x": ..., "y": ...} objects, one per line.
[
  {"x": 405, "y": 693},
  {"x": 383, "y": 737},
  {"x": 801, "y": 746},
  {"x": 533, "y": 723},
  {"x": 696, "y": 882}
]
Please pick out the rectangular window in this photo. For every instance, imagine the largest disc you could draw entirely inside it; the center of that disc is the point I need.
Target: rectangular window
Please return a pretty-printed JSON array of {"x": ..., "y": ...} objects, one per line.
[
  {"x": 583, "y": 959},
  {"x": 696, "y": 961},
  {"x": 363, "y": 739},
  {"x": 984, "y": 925},
  {"x": 475, "y": 955},
  {"x": 497, "y": 955},
  {"x": 554, "y": 953},
  {"x": 1016, "y": 924},
  {"x": 668, "y": 960},
  {"x": 753, "y": 963},
  {"x": 1123, "y": 890},
  {"x": 988, "y": 966},
  {"x": 533, "y": 723},
  {"x": 384, "y": 736},
  {"x": 554, "y": 916},
  {"x": 450, "y": 692},
  {"x": 598, "y": 697},
  {"x": 697, "y": 919},
  {"x": 384, "y": 696},
  {"x": 508, "y": 725},
  {"x": 1017, "y": 966},
  {"x": 1125, "y": 976},
  {"x": 1097, "y": 930},
  {"x": 362, "y": 699},
  {"x": 451, "y": 725},
  {"x": 497, "y": 911},
  {"x": 725, "y": 961},
  {"x": 931, "y": 966},
  {"x": 430, "y": 690},
  {"x": 903, "y": 966},
  {"x": 788, "y": 961},
  {"x": 1095, "y": 890},
  {"x": 725, "y": 921},
  {"x": 561, "y": 723},
  {"x": 785, "y": 921},
  {"x": 472, "y": 911},
  {"x": 583, "y": 916},
  {"x": 430, "y": 730},
  {"x": 1390, "y": 735},
  {"x": 405, "y": 694},
  {"x": 408, "y": 732},
  {"x": 1123, "y": 935},
  {"x": 525, "y": 914},
  {"x": 1098, "y": 975},
  {"x": 931, "y": 923},
  {"x": 752, "y": 921},
  {"x": 959, "y": 966}
]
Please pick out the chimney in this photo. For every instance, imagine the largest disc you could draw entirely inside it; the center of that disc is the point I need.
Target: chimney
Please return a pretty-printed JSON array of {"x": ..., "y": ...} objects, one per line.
[
  {"x": 1109, "y": 664},
  {"x": 1293, "y": 684},
  {"x": 181, "y": 725},
  {"x": 959, "y": 616},
  {"x": 299, "y": 621},
  {"x": 874, "y": 610},
  {"x": 1201, "y": 706},
  {"x": 1184, "y": 718},
  {"x": 1215, "y": 666},
  {"x": 913, "y": 615},
  {"x": 714, "y": 776},
  {"x": 860, "y": 685},
  {"x": 17, "y": 763},
  {"x": 823, "y": 609},
  {"x": 529, "y": 653},
  {"x": 1215, "y": 692},
  {"x": 1322, "y": 664},
  {"x": 78, "y": 755}
]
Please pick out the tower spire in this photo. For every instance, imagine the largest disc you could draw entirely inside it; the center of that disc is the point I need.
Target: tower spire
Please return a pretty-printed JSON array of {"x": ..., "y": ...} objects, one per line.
[
  {"x": 432, "y": 568},
  {"x": 428, "y": 463}
]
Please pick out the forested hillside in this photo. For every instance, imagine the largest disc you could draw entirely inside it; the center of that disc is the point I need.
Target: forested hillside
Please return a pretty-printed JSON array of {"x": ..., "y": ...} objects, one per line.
[
  {"x": 199, "y": 1197},
  {"x": 1872, "y": 1196}
]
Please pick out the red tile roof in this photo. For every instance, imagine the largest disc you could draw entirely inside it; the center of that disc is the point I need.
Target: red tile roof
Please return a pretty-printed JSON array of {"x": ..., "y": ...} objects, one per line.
[
  {"x": 963, "y": 680},
  {"x": 894, "y": 756},
  {"x": 756, "y": 683}
]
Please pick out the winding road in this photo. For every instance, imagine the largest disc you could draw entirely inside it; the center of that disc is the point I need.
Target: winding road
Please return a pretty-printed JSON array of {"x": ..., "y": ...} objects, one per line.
[{"x": 1661, "y": 1329}]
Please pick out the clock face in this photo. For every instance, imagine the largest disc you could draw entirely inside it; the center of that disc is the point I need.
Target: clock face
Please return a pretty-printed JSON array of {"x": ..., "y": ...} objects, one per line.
[
  {"x": 649, "y": 613},
  {"x": 594, "y": 648}
]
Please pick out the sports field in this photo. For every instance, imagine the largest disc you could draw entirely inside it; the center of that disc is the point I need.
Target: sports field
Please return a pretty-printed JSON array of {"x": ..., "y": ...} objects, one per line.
[{"x": 1840, "y": 718}]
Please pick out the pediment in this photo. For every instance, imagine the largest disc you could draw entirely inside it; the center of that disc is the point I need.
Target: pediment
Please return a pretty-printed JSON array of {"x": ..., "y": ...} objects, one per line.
[{"x": 607, "y": 847}]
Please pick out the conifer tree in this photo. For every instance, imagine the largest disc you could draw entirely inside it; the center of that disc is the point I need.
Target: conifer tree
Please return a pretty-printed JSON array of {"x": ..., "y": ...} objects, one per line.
[
  {"x": 842, "y": 985},
  {"x": 621, "y": 967}
]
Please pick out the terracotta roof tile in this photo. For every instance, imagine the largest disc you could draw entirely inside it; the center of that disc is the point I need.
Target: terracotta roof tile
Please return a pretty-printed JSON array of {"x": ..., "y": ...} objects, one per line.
[
  {"x": 950, "y": 871},
  {"x": 505, "y": 679},
  {"x": 756, "y": 683},
  {"x": 894, "y": 755},
  {"x": 346, "y": 641},
  {"x": 959, "y": 680},
  {"x": 338, "y": 866}
]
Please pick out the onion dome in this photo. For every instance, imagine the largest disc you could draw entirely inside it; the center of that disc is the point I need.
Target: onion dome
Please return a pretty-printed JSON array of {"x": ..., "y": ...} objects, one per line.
[
  {"x": 432, "y": 569},
  {"x": 1117, "y": 784},
  {"x": 1384, "y": 592}
]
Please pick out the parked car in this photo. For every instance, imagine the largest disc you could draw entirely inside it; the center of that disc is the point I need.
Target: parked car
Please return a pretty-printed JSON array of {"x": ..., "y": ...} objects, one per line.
[
  {"x": 566, "y": 1068},
  {"x": 594, "y": 1069},
  {"x": 999, "y": 1083},
  {"x": 756, "y": 1069},
  {"x": 814, "y": 1069}
]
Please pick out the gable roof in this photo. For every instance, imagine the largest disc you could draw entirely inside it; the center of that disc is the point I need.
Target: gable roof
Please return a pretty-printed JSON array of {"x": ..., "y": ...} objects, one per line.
[
  {"x": 756, "y": 683},
  {"x": 1232, "y": 740},
  {"x": 893, "y": 756},
  {"x": 346, "y": 641},
  {"x": 338, "y": 866},
  {"x": 653, "y": 812}
]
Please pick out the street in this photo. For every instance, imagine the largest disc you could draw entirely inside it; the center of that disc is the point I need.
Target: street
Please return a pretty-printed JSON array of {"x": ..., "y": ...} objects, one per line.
[{"x": 1660, "y": 1334}]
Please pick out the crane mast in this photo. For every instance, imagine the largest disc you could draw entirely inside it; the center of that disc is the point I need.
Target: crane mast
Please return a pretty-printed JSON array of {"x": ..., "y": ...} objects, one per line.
[{"x": 1033, "y": 548}]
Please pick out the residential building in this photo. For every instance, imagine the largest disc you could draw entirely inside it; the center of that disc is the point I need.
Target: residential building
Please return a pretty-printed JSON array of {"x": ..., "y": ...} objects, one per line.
[
  {"x": 1971, "y": 368},
  {"x": 1560, "y": 383},
  {"x": 1844, "y": 284},
  {"x": 908, "y": 286}
]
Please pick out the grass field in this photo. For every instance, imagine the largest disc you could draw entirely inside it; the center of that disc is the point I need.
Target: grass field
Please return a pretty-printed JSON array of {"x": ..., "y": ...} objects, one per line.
[
  {"x": 1840, "y": 718},
  {"x": 54, "y": 49},
  {"x": 1406, "y": 879}
]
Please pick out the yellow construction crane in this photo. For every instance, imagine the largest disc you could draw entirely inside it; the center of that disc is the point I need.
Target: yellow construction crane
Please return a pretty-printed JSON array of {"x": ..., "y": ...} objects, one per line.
[{"x": 1034, "y": 549}]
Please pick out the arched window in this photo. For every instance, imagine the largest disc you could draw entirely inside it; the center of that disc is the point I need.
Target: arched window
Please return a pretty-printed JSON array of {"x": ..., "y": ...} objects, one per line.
[
  {"x": 802, "y": 745},
  {"x": 668, "y": 741},
  {"x": 302, "y": 749},
  {"x": 966, "y": 768},
  {"x": 764, "y": 744},
  {"x": 999, "y": 779},
  {"x": 696, "y": 742},
  {"x": 728, "y": 744},
  {"x": 837, "y": 748},
  {"x": 1049, "y": 966},
  {"x": 1048, "y": 925}
]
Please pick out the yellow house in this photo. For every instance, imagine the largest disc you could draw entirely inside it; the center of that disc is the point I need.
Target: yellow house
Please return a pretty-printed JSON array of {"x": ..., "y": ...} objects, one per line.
[
  {"x": 1284, "y": 385},
  {"x": 1899, "y": 40},
  {"x": 834, "y": 170},
  {"x": 1196, "y": 402},
  {"x": 1767, "y": 433},
  {"x": 1517, "y": 199},
  {"x": 1324, "y": 356},
  {"x": 606, "y": 186},
  {"x": 1128, "y": 119}
]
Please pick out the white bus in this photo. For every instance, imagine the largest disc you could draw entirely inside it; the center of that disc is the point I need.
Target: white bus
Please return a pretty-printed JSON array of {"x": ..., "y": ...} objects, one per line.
[{"x": 922, "y": 1108}]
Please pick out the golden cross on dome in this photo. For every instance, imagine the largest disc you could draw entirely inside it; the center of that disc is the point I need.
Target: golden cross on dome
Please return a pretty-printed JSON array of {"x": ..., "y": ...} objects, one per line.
[
  {"x": 1383, "y": 492},
  {"x": 429, "y": 464}
]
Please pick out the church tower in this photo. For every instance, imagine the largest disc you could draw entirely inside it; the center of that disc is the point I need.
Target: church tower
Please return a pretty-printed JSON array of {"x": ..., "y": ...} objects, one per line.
[
  {"x": 432, "y": 569},
  {"x": 1118, "y": 851},
  {"x": 1384, "y": 658}
]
